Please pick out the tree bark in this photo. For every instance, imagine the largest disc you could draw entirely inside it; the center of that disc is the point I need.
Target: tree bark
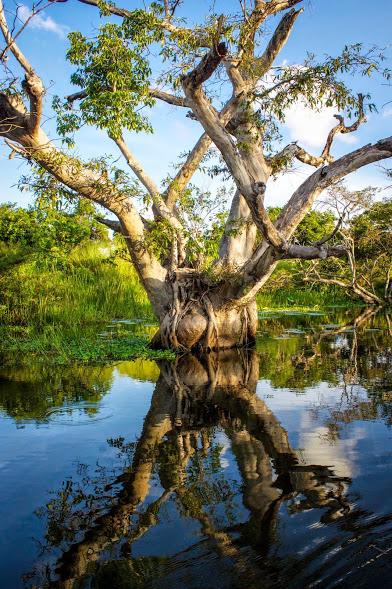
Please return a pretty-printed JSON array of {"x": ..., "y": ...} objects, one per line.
[{"x": 204, "y": 317}]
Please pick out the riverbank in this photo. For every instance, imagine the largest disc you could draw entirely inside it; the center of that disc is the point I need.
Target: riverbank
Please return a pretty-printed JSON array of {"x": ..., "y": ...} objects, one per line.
[{"x": 92, "y": 308}]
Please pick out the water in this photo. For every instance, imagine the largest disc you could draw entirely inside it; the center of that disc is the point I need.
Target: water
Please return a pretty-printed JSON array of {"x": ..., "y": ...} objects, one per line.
[{"x": 256, "y": 470}]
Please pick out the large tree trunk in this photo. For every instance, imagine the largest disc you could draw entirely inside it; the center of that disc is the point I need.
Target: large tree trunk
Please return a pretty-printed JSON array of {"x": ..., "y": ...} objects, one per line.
[{"x": 204, "y": 319}]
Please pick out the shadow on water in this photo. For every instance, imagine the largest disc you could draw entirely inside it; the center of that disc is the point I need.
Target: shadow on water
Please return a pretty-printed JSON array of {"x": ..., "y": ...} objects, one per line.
[{"x": 264, "y": 517}]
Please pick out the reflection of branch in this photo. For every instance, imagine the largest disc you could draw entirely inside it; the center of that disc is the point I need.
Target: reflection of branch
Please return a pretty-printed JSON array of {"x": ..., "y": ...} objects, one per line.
[
  {"x": 135, "y": 485},
  {"x": 359, "y": 321}
]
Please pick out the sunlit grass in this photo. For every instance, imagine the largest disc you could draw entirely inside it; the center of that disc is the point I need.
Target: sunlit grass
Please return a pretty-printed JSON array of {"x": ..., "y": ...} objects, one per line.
[
  {"x": 305, "y": 299},
  {"x": 92, "y": 288}
]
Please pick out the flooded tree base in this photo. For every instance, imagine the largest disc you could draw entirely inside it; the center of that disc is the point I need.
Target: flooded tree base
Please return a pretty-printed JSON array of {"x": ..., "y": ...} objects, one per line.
[{"x": 200, "y": 325}]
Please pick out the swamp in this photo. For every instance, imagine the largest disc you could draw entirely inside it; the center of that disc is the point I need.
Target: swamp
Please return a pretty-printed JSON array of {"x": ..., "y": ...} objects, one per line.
[
  {"x": 195, "y": 294},
  {"x": 266, "y": 467}
]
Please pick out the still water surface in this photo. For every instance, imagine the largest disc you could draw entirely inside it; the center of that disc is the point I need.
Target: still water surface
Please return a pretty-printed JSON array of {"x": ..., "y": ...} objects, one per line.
[{"x": 259, "y": 469}]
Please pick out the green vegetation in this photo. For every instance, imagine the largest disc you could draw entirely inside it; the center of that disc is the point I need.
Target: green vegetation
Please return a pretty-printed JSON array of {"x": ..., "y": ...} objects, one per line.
[
  {"x": 296, "y": 297},
  {"x": 58, "y": 313},
  {"x": 92, "y": 286},
  {"x": 67, "y": 312},
  {"x": 61, "y": 284},
  {"x": 69, "y": 294},
  {"x": 365, "y": 229}
]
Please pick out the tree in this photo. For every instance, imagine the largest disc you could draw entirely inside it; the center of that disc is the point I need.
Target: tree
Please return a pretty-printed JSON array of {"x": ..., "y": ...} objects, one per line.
[
  {"x": 43, "y": 228},
  {"x": 119, "y": 81},
  {"x": 365, "y": 227}
]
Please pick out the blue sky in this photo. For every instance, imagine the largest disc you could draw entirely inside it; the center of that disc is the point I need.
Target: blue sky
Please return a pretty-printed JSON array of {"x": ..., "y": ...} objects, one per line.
[{"x": 325, "y": 27}]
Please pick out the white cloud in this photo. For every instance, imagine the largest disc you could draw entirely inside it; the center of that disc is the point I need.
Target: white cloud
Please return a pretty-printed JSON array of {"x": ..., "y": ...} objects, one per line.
[
  {"x": 387, "y": 112},
  {"x": 310, "y": 128},
  {"x": 280, "y": 190},
  {"x": 42, "y": 22}
]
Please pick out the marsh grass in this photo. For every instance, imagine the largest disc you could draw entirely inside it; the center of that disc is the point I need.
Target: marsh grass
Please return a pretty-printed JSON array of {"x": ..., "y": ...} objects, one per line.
[
  {"x": 57, "y": 312},
  {"x": 306, "y": 299},
  {"x": 92, "y": 287},
  {"x": 75, "y": 308}
]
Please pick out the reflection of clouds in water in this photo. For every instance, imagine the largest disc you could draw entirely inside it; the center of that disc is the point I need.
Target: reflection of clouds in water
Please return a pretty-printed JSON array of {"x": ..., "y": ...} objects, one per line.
[
  {"x": 316, "y": 448},
  {"x": 224, "y": 443}
]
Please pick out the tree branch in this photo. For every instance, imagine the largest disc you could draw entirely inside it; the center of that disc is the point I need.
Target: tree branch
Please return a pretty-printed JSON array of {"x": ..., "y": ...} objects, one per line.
[
  {"x": 11, "y": 45},
  {"x": 295, "y": 151},
  {"x": 155, "y": 93},
  {"x": 277, "y": 41},
  {"x": 331, "y": 235},
  {"x": 303, "y": 198},
  {"x": 189, "y": 167},
  {"x": 251, "y": 24},
  {"x": 194, "y": 158},
  {"x": 261, "y": 264},
  {"x": 164, "y": 24},
  {"x": 32, "y": 83},
  {"x": 111, "y": 224},
  {"x": 341, "y": 127},
  {"x": 161, "y": 209},
  {"x": 275, "y": 6},
  {"x": 169, "y": 98},
  {"x": 313, "y": 252},
  {"x": 88, "y": 183},
  {"x": 367, "y": 296},
  {"x": 246, "y": 167}
]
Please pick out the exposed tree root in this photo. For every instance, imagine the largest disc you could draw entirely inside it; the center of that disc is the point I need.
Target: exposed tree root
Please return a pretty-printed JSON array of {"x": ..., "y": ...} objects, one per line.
[{"x": 198, "y": 319}]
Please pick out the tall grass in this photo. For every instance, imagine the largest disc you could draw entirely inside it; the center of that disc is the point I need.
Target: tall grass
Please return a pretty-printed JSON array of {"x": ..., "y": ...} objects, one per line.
[
  {"x": 57, "y": 312},
  {"x": 292, "y": 297},
  {"x": 90, "y": 288}
]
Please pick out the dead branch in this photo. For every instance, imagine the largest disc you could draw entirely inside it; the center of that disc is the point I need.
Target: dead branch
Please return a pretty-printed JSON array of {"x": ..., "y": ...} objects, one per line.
[
  {"x": 295, "y": 151},
  {"x": 32, "y": 84}
]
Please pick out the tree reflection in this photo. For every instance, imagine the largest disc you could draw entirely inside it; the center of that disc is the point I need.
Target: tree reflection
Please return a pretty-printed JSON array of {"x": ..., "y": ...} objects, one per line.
[
  {"x": 192, "y": 397},
  {"x": 94, "y": 521},
  {"x": 37, "y": 392}
]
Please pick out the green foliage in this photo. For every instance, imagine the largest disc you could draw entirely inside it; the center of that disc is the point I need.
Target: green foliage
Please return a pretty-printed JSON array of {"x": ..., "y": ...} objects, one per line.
[
  {"x": 60, "y": 349},
  {"x": 89, "y": 288},
  {"x": 18, "y": 226},
  {"x": 48, "y": 234},
  {"x": 115, "y": 70},
  {"x": 115, "y": 77},
  {"x": 372, "y": 231},
  {"x": 294, "y": 297},
  {"x": 318, "y": 84},
  {"x": 314, "y": 226},
  {"x": 61, "y": 314},
  {"x": 365, "y": 231},
  {"x": 203, "y": 215}
]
